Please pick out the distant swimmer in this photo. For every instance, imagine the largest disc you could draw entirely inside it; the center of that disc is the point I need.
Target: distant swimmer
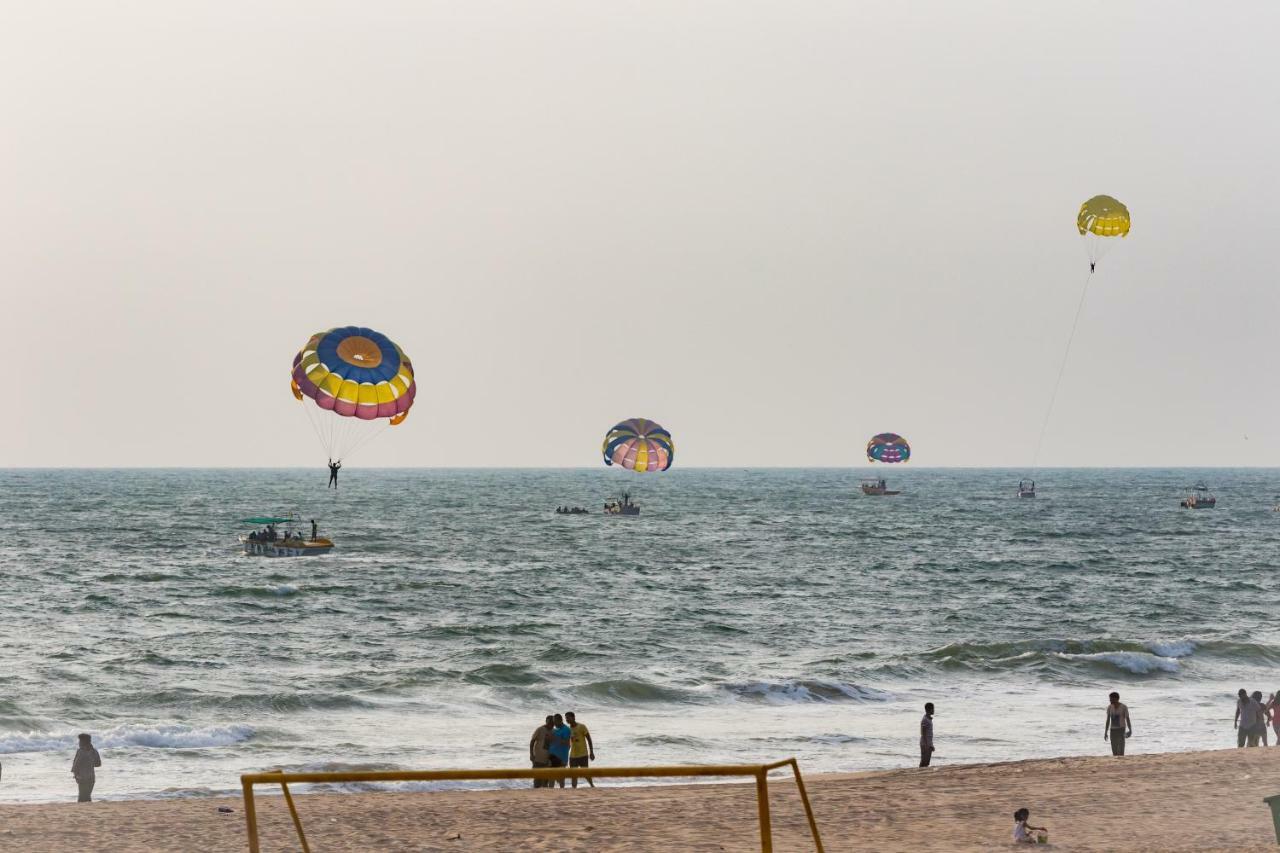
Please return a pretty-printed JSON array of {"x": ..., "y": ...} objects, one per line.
[
  {"x": 82, "y": 766},
  {"x": 926, "y": 735},
  {"x": 582, "y": 749},
  {"x": 1118, "y": 726},
  {"x": 333, "y": 473}
]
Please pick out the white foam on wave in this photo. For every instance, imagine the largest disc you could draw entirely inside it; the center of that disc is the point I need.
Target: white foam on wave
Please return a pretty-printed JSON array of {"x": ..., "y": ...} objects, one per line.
[
  {"x": 173, "y": 736},
  {"x": 1139, "y": 663}
]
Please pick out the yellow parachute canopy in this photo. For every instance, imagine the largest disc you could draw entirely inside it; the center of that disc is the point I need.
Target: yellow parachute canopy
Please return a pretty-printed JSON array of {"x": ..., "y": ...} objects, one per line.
[{"x": 1103, "y": 216}]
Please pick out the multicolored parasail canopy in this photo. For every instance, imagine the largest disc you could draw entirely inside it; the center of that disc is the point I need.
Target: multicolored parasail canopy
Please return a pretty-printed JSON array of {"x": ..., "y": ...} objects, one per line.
[
  {"x": 888, "y": 447},
  {"x": 639, "y": 445},
  {"x": 360, "y": 381},
  {"x": 355, "y": 372}
]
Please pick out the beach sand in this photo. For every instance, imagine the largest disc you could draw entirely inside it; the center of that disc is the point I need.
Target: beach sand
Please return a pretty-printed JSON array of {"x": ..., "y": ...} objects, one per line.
[{"x": 1170, "y": 802}]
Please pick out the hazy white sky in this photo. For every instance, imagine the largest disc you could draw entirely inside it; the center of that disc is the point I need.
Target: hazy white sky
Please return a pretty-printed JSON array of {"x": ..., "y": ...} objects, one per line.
[{"x": 776, "y": 228}]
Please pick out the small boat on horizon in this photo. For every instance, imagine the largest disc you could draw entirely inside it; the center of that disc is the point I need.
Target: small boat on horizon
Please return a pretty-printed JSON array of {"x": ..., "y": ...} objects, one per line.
[
  {"x": 1026, "y": 488},
  {"x": 878, "y": 488},
  {"x": 1200, "y": 498}
]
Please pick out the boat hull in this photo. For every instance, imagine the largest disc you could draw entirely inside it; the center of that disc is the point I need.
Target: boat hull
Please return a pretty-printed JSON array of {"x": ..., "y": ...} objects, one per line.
[{"x": 253, "y": 548}]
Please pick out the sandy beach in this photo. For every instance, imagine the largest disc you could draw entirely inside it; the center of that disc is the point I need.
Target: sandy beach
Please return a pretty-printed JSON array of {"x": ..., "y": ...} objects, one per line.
[{"x": 1179, "y": 801}]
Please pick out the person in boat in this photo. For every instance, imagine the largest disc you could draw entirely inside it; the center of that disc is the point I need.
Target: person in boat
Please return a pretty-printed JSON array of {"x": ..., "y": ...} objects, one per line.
[
  {"x": 314, "y": 530},
  {"x": 333, "y": 473}
]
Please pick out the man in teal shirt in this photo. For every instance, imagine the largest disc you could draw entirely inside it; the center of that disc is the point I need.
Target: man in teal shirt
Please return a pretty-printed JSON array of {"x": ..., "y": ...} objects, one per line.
[{"x": 559, "y": 746}]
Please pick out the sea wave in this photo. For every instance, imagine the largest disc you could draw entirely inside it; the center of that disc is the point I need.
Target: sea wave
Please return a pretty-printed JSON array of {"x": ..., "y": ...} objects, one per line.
[
  {"x": 175, "y": 736},
  {"x": 1060, "y": 656},
  {"x": 804, "y": 690},
  {"x": 631, "y": 690}
]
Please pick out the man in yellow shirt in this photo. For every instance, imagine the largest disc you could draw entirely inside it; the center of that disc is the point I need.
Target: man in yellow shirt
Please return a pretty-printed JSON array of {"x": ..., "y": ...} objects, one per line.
[{"x": 581, "y": 747}]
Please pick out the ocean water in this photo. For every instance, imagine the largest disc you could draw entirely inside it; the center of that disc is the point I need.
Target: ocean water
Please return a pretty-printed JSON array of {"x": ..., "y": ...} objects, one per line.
[{"x": 745, "y": 615}]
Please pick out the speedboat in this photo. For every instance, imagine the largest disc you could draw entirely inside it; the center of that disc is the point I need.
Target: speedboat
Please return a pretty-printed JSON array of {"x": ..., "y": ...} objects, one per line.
[
  {"x": 271, "y": 542},
  {"x": 1026, "y": 488},
  {"x": 624, "y": 506},
  {"x": 1200, "y": 498},
  {"x": 877, "y": 488}
]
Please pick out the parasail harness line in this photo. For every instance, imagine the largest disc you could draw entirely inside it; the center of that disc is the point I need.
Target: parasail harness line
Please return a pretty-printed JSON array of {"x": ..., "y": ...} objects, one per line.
[{"x": 1062, "y": 367}]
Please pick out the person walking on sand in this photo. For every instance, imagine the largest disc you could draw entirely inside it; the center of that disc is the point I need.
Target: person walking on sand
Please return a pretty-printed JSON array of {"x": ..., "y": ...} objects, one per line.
[
  {"x": 559, "y": 745},
  {"x": 538, "y": 755},
  {"x": 926, "y": 735},
  {"x": 582, "y": 749},
  {"x": 82, "y": 766},
  {"x": 1118, "y": 726}
]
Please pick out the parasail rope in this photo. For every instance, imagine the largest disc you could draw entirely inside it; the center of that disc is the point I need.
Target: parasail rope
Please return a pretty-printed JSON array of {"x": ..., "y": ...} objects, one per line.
[{"x": 1062, "y": 368}]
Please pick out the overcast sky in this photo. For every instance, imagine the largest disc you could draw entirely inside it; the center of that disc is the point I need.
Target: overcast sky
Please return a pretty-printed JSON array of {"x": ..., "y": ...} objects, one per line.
[{"x": 776, "y": 228}]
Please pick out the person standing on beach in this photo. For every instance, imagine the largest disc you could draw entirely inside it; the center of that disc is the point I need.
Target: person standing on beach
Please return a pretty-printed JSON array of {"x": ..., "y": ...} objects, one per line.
[
  {"x": 1273, "y": 708},
  {"x": 1118, "y": 726},
  {"x": 1249, "y": 716},
  {"x": 82, "y": 766},
  {"x": 582, "y": 749},
  {"x": 1264, "y": 718},
  {"x": 559, "y": 746},
  {"x": 539, "y": 757},
  {"x": 926, "y": 735}
]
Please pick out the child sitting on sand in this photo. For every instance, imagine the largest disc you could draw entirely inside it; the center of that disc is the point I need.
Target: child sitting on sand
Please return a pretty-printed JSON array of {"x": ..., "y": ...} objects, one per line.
[{"x": 1022, "y": 831}]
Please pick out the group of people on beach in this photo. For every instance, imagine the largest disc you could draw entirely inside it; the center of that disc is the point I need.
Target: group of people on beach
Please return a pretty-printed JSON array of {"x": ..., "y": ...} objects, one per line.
[
  {"x": 561, "y": 741},
  {"x": 1253, "y": 716}
]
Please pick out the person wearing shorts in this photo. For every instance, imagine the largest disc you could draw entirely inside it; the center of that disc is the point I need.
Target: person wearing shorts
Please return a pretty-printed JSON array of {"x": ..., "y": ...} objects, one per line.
[{"x": 582, "y": 750}]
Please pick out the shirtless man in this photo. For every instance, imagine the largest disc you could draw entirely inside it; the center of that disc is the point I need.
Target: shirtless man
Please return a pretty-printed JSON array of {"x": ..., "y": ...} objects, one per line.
[{"x": 1118, "y": 726}]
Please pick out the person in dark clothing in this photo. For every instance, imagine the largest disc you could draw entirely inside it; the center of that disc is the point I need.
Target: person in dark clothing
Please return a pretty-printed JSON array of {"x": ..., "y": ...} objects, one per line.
[
  {"x": 82, "y": 766},
  {"x": 313, "y": 530},
  {"x": 333, "y": 473},
  {"x": 926, "y": 735}
]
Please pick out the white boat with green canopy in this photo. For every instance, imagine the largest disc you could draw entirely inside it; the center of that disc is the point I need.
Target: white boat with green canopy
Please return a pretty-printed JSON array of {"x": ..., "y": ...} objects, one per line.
[{"x": 272, "y": 537}]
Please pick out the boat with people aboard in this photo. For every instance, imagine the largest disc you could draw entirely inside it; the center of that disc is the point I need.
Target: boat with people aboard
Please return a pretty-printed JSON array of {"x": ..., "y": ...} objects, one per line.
[
  {"x": 877, "y": 488},
  {"x": 623, "y": 506},
  {"x": 1026, "y": 488},
  {"x": 572, "y": 510},
  {"x": 1200, "y": 498},
  {"x": 269, "y": 539}
]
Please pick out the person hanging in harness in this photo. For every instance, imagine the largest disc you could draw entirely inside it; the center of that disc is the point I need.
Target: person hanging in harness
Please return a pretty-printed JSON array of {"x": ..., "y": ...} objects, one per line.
[{"x": 333, "y": 473}]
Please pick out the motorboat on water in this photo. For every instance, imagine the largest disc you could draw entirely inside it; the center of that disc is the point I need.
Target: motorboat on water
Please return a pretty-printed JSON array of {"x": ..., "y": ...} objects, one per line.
[
  {"x": 622, "y": 506},
  {"x": 877, "y": 488},
  {"x": 1200, "y": 498},
  {"x": 1026, "y": 488},
  {"x": 269, "y": 539}
]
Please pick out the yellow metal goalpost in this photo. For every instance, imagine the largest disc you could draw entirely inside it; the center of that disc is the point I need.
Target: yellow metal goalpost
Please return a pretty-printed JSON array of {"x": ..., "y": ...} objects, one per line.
[{"x": 760, "y": 772}]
